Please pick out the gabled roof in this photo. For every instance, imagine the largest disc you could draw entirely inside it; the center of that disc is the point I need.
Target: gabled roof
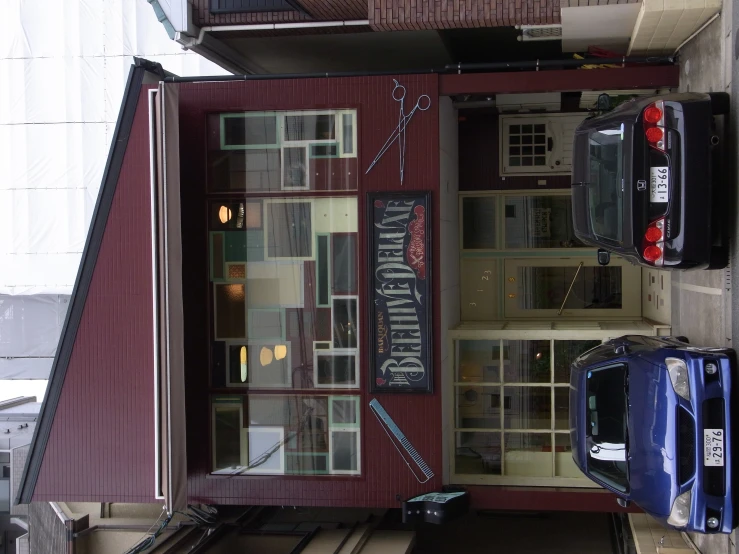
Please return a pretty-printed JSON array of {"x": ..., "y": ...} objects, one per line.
[{"x": 142, "y": 71}]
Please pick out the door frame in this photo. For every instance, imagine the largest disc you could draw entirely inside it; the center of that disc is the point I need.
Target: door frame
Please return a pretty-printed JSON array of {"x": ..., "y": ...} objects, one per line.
[{"x": 499, "y": 254}]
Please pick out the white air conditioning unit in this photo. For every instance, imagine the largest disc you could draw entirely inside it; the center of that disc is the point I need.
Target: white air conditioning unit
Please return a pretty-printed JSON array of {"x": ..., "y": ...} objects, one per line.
[{"x": 539, "y": 32}]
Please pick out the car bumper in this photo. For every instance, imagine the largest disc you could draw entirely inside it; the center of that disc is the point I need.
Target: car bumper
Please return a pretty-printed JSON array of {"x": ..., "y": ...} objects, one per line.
[
  {"x": 692, "y": 213},
  {"x": 712, "y": 407}
]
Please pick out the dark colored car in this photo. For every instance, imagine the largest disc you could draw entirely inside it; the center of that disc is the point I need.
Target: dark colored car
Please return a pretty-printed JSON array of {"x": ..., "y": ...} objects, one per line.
[
  {"x": 646, "y": 181},
  {"x": 650, "y": 420}
]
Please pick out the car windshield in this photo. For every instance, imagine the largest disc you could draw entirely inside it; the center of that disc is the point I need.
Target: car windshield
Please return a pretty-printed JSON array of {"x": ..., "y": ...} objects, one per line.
[
  {"x": 605, "y": 191},
  {"x": 607, "y": 437}
]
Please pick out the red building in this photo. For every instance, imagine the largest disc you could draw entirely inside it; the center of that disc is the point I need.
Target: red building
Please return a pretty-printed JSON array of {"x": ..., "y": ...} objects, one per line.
[{"x": 241, "y": 300}]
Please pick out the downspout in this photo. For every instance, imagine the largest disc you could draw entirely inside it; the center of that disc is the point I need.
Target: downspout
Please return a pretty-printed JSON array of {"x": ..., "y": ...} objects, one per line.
[{"x": 188, "y": 41}]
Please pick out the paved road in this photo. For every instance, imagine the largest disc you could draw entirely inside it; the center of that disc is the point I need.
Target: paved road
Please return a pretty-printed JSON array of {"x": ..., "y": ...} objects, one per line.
[{"x": 703, "y": 306}]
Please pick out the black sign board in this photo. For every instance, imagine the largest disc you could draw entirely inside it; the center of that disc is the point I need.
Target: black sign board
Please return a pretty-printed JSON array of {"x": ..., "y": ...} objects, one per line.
[
  {"x": 436, "y": 507},
  {"x": 400, "y": 294}
]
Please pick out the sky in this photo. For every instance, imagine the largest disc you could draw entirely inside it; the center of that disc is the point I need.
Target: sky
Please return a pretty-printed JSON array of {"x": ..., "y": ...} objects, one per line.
[{"x": 14, "y": 388}]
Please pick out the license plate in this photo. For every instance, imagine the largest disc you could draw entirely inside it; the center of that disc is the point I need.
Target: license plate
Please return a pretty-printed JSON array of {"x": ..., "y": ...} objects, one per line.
[
  {"x": 713, "y": 447},
  {"x": 659, "y": 189}
]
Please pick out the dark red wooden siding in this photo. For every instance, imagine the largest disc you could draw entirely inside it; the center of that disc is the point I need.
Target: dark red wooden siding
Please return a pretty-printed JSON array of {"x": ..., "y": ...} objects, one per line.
[
  {"x": 384, "y": 475},
  {"x": 101, "y": 446},
  {"x": 544, "y": 499},
  {"x": 479, "y": 161}
]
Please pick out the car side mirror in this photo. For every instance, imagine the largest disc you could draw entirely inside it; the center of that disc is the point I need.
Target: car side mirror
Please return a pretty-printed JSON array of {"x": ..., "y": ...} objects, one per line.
[
  {"x": 623, "y": 502},
  {"x": 604, "y": 103},
  {"x": 604, "y": 257}
]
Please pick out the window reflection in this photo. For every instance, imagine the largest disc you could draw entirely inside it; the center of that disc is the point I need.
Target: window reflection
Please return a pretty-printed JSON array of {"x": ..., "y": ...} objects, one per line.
[
  {"x": 479, "y": 361},
  {"x": 478, "y": 220},
  {"x": 526, "y": 403},
  {"x": 539, "y": 222},
  {"x": 284, "y": 281},
  {"x": 527, "y": 361},
  {"x": 286, "y": 434},
  {"x": 478, "y": 453},
  {"x": 545, "y": 288},
  {"x": 528, "y": 454},
  {"x": 283, "y": 151}
]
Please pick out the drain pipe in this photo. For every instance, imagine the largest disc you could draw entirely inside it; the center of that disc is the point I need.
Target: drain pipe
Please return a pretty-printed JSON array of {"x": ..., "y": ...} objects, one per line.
[
  {"x": 189, "y": 42},
  {"x": 452, "y": 68},
  {"x": 691, "y": 37}
]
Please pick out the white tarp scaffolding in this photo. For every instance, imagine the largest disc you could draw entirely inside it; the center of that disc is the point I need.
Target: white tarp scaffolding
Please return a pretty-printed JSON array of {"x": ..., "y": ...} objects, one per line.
[{"x": 63, "y": 68}]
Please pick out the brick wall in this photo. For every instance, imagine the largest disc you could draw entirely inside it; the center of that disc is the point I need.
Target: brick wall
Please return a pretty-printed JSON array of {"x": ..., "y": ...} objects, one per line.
[
  {"x": 580, "y": 3},
  {"x": 407, "y": 15},
  {"x": 319, "y": 10}
]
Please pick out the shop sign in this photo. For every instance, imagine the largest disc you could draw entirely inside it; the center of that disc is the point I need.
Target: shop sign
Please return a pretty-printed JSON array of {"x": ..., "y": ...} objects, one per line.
[{"x": 400, "y": 294}]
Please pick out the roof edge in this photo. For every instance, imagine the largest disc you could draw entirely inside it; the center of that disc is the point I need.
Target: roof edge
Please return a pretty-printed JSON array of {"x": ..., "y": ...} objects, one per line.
[{"x": 137, "y": 77}]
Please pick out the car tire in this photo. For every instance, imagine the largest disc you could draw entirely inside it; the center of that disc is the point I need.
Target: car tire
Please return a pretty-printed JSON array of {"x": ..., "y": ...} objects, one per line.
[
  {"x": 719, "y": 257},
  {"x": 720, "y": 103}
]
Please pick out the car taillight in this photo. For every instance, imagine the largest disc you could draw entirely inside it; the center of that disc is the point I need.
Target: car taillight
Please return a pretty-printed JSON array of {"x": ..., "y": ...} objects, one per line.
[
  {"x": 652, "y": 253},
  {"x": 654, "y": 125},
  {"x": 654, "y": 134},
  {"x": 653, "y": 234},
  {"x": 652, "y": 114},
  {"x": 653, "y": 244}
]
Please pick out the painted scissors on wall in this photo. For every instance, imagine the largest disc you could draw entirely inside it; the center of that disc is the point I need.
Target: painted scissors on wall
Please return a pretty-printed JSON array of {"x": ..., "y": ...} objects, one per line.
[{"x": 399, "y": 133}]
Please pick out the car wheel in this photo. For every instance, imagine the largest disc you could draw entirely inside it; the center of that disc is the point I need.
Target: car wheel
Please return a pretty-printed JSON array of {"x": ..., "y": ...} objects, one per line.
[
  {"x": 720, "y": 103},
  {"x": 719, "y": 257}
]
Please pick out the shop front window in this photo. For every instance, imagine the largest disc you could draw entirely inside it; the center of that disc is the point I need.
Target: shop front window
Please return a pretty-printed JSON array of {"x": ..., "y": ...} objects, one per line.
[
  {"x": 283, "y": 151},
  {"x": 512, "y": 407},
  {"x": 284, "y": 293}
]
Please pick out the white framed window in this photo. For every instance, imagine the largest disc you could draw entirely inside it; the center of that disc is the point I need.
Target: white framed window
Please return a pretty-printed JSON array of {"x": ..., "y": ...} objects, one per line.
[{"x": 534, "y": 144}]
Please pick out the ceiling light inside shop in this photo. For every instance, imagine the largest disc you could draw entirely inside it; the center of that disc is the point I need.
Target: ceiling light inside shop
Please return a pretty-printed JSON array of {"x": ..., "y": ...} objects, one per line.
[
  {"x": 243, "y": 364},
  {"x": 224, "y": 214},
  {"x": 280, "y": 351},
  {"x": 265, "y": 356},
  {"x": 235, "y": 292}
]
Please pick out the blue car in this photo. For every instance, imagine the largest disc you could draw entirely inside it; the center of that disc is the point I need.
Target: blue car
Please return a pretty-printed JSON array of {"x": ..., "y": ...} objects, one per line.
[{"x": 650, "y": 420}]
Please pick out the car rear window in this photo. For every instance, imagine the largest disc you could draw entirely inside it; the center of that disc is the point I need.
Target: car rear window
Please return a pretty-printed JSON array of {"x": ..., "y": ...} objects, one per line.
[
  {"x": 605, "y": 190},
  {"x": 607, "y": 437}
]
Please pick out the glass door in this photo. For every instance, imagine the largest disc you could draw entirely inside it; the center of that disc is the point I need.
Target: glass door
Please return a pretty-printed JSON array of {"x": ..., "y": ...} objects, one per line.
[{"x": 579, "y": 287}]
